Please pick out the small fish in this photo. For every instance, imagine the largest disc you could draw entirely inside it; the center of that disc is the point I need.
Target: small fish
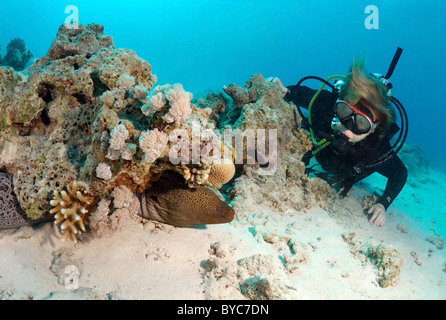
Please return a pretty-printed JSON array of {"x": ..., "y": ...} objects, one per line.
[{"x": 170, "y": 201}]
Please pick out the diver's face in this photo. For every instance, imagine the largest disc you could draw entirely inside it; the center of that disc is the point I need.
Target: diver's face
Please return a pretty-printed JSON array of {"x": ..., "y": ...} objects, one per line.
[
  {"x": 352, "y": 137},
  {"x": 354, "y": 121}
]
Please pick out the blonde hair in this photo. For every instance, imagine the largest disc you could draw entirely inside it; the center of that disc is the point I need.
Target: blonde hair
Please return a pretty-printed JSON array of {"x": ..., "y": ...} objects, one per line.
[{"x": 361, "y": 87}]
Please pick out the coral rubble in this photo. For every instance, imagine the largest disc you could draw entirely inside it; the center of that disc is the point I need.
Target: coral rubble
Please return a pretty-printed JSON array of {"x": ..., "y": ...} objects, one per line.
[{"x": 387, "y": 259}]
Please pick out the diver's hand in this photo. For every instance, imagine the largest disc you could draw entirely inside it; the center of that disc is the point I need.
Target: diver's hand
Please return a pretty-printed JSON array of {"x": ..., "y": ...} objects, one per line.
[
  {"x": 378, "y": 214},
  {"x": 279, "y": 84}
]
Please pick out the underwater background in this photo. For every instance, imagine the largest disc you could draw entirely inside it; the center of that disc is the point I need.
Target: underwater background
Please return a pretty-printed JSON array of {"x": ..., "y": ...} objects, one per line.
[{"x": 206, "y": 44}]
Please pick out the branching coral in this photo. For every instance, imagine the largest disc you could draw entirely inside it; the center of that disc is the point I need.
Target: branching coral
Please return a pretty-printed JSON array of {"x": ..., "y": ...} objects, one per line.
[
  {"x": 71, "y": 209},
  {"x": 216, "y": 174},
  {"x": 195, "y": 175}
]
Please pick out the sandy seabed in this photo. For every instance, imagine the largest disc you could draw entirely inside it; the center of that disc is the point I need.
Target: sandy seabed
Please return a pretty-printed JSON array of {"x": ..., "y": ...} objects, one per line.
[{"x": 276, "y": 255}]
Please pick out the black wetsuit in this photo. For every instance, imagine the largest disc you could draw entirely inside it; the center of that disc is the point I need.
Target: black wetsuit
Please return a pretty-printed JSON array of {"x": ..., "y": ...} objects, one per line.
[{"x": 351, "y": 162}]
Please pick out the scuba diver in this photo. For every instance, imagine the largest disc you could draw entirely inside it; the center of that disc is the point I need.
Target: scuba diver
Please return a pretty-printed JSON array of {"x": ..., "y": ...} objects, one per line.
[{"x": 352, "y": 127}]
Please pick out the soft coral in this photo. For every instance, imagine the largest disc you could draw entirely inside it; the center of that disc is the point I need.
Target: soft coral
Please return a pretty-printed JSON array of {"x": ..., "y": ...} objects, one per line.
[{"x": 17, "y": 56}]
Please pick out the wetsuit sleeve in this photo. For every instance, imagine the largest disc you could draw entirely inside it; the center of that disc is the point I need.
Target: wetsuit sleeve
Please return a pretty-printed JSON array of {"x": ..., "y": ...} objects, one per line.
[
  {"x": 396, "y": 173},
  {"x": 300, "y": 95},
  {"x": 322, "y": 111}
]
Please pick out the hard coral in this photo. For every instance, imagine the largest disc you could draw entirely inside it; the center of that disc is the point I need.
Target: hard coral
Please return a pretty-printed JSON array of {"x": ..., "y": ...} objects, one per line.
[
  {"x": 195, "y": 175},
  {"x": 85, "y": 40},
  {"x": 221, "y": 172},
  {"x": 71, "y": 209}
]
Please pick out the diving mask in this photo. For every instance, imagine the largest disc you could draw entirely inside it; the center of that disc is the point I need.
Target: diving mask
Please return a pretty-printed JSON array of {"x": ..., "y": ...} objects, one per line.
[{"x": 353, "y": 119}]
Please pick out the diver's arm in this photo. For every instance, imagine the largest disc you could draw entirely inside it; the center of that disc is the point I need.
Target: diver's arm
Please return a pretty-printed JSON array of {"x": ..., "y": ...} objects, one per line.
[
  {"x": 396, "y": 173},
  {"x": 300, "y": 95}
]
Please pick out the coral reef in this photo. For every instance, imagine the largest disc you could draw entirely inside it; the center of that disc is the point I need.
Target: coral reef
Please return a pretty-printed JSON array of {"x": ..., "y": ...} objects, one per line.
[
  {"x": 77, "y": 114},
  {"x": 83, "y": 112},
  {"x": 17, "y": 55},
  {"x": 50, "y": 115},
  {"x": 260, "y": 106}
]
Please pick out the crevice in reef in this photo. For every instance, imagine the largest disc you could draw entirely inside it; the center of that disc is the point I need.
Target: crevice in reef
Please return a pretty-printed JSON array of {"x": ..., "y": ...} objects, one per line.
[
  {"x": 44, "y": 92},
  {"x": 99, "y": 86},
  {"x": 45, "y": 118},
  {"x": 81, "y": 98},
  {"x": 229, "y": 116}
]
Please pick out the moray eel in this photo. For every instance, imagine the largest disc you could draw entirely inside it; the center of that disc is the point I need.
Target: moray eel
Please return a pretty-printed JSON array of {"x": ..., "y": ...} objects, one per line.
[
  {"x": 11, "y": 214},
  {"x": 170, "y": 201}
]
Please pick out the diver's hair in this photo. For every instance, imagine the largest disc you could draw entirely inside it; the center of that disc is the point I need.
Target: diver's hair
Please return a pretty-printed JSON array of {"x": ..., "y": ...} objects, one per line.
[{"x": 361, "y": 87}]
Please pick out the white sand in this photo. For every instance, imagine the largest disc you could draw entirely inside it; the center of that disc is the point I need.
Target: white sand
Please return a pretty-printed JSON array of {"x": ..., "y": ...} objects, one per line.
[{"x": 178, "y": 263}]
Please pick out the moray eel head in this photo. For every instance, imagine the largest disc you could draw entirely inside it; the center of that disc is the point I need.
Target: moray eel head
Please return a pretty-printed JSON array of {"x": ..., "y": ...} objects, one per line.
[{"x": 170, "y": 201}]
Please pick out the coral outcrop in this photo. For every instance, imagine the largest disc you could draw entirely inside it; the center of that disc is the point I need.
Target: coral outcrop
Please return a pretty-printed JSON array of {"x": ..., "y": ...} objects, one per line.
[
  {"x": 275, "y": 176},
  {"x": 52, "y": 115},
  {"x": 88, "y": 112},
  {"x": 83, "y": 113}
]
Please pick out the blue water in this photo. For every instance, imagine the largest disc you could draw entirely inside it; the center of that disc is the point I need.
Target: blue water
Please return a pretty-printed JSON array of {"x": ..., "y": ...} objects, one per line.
[{"x": 206, "y": 44}]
